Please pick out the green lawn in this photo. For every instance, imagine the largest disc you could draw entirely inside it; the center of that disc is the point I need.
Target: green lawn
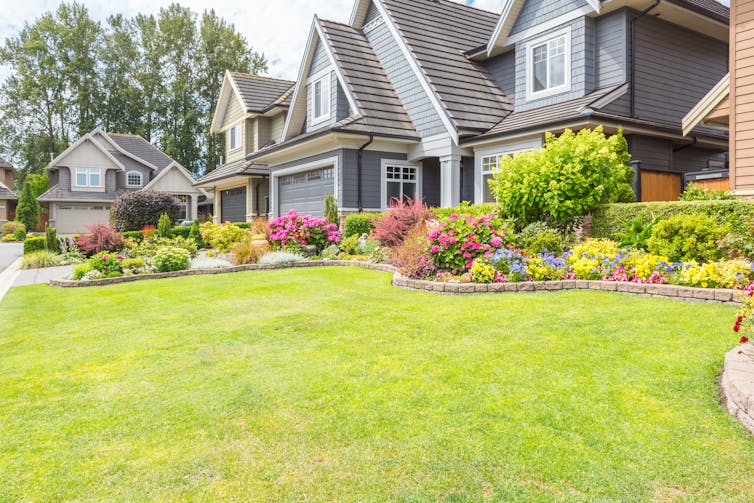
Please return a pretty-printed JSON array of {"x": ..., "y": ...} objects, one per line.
[{"x": 329, "y": 384}]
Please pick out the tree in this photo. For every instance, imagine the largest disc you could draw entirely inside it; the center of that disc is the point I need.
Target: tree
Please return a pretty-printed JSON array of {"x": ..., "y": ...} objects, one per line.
[
  {"x": 135, "y": 210},
  {"x": 39, "y": 184},
  {"x": 27, "y": 211},
  {"x": 120, "y": 109}
]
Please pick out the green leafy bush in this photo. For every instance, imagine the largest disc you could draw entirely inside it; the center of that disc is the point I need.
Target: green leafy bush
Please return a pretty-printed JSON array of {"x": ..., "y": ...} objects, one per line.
[
  {"x": 164, "y": 226},
  {"x": 221, "y": 237},
  {"x": 19, "y": 234},
  {"x": 195, "y": 235},
  {"x": 34, "y": 244},
  {"x": 686, "y": 238},
  {"x": 137, "y": 235},
  {"x": 565, "y": 180},
  {"x": 133, "y": 211},
  {"x": 694, "y": 192},
  {"x": 51, "y": 239},
  {"x": 539, "y": 237},
  {"x": 349, "y": 244},
  {"x": 360, "y": 223},
  {"x": 331, "y": 210},
  {"x": 81, "y": 270},
  {"x": 170, "y": 258},
  {"x": 466, "y": 208},
  {"x": 40, "y": 259},
  {"x": 183, "y": 231},
  {"x": 637, "y": 234}
]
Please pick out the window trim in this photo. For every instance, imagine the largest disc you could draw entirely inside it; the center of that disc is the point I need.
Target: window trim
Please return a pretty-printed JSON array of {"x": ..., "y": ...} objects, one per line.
[
  {"x": 178, "y": 200},
  {"x": 325, "y": 79},
  {"x": 132, "y": 185},
  {"x": 524, "y": 145},
  {"x": 384, "y": 180},
  {"x": 237, "y": 127},
  {"x": 531, "y": 94},
  {"x": 88, "y": 173}
]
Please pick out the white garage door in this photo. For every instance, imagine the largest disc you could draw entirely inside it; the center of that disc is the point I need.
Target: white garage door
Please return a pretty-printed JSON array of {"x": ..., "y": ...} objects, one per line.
[
  {"x": 305, "y": 192},
  {"x": 73, "y": 219}
]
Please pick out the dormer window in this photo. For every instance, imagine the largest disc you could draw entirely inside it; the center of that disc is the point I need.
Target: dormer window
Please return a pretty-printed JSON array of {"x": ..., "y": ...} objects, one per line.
[
  {"x": 133, "y": 179},
  {"x": 234, "y": 137},
  {"x": 320, "y": 89},
  {"x": 88, "y": 177},
  {"x": 549, "y": 65}
]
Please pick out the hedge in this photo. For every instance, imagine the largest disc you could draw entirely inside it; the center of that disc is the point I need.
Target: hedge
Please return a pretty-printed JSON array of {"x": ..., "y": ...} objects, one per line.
[
  {"x": 612, "y": 219},
  {"x": 34, "y": 243},
  {"x": 180, "y": 231},
  {"x": 137, "y": 235},
  {"x": 468, "y": 209},
  {"x": 359, "y": 223}
]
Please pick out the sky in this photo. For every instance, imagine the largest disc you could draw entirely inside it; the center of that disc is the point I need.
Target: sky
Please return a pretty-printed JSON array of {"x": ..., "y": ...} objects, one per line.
[{"x": 277, "y": 28}]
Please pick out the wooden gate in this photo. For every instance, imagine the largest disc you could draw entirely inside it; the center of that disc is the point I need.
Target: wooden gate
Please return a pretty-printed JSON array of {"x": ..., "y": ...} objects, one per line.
[
  {"x": 660, "y": 186},
  {"x": 716, "y": 184}
]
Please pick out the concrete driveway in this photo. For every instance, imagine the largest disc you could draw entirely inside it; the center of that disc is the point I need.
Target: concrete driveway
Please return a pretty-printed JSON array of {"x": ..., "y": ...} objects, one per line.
[{"x": 9, "y": 252}]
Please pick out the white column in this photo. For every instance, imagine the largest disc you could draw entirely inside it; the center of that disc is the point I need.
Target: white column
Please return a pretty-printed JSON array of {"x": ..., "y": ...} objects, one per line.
[
  {"x": 193, "y": 206},
  {"x": 450, "y": 180},
  {"x": 216, "y": 206}
]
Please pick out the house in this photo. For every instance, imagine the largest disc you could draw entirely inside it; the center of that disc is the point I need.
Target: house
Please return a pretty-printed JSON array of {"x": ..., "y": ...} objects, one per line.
[
  {"x": 90, "y": 174},
  {"x": 420, "y": 98},
  {"x": 8, "y": 198},
  {"x": 714, "y": 110},
  {"x": 250, "y": 112}
]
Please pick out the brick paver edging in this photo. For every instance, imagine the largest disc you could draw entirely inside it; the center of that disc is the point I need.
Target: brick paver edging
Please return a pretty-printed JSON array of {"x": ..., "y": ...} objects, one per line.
[
  {"x": 449, "y": 288},
  {"x": 737, "y": 385}
]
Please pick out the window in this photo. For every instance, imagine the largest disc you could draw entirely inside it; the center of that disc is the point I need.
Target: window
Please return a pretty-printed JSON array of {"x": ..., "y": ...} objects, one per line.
[
  {"x": 88, "y": 177},
  {"x": 321, "y": 98},
  {"x": 182, "y": 201},
  {"x": 401, "y": 182},
  {"x": 549, "y": 65},
  {"x": 234, "y": 137},
  {"x": 489, "y": 166},
  {"x": 133, "y": 179}
]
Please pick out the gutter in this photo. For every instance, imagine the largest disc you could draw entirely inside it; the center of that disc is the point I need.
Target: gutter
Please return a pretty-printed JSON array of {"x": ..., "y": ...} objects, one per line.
[
  {"x": 359, "y": 203},
  {"x": 633, "y": 54}
]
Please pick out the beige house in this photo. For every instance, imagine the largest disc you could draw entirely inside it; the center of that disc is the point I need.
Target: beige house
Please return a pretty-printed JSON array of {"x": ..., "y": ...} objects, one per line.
[
  {"x": 87, "y": 177},
  {"x": 8, "y": 198},
  {"x": 251, "y": 113}
]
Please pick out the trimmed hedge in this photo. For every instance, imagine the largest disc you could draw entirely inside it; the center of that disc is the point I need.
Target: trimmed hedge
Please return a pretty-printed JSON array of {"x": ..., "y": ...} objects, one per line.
[
  {"x": 34, "y": 243},
  {"x": 180, "y": 231},
  {"x": 476, "y": 210},
  {"x": 242, "y": 225},
  {"x": 359, "y": 223},
  {"x": 612, "y": 219},
  {"x": 137, "y": 235}
]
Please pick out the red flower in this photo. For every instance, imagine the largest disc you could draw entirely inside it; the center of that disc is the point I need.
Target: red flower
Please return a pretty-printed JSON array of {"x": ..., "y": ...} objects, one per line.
[
  {"x": 744, "y": 339},
  {"x": 737, "y": 328}
]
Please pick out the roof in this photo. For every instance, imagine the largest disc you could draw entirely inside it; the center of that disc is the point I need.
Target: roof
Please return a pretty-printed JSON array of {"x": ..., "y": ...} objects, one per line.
[
  {"x": 439, "y": 33},
  {"x": 141, "y": 148},
  {"x": 236, "y": 168},
  {"x": 381, "y": 111},
  {"x": 5, "y": 164},
  {"x": 6, "y": 193},
  {"x": 711, "y": 8},
  {"x": 58, "y": 194},
  {"x": 711, "y": 100},
  {"x": 260, "y": 93}
]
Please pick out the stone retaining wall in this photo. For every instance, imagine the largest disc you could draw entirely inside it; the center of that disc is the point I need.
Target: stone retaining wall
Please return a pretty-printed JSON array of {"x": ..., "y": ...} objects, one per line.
[
  {"x": 719, "y": 295},
  {"x": 737, "y": 385}
]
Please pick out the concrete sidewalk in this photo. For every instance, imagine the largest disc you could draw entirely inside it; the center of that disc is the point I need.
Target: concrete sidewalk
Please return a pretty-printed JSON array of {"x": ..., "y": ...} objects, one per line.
[
  {"x": 9, "y": 253},
  {"x": 14, "y": 276}
]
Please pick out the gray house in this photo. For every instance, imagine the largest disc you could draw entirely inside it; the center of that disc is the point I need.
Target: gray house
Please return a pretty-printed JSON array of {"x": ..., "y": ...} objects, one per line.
[
  {"x": 420, "y": 98},
  {"x": 90, "y": 174},
  {"x": 8, "y": 198}
]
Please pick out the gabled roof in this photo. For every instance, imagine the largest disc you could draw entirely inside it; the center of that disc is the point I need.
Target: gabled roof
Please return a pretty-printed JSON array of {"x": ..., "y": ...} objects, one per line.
[
  {"x": 241, "y": 167},
  {"x": 6, "y": 164},
  {"x": 88, "y": 137},
  {"x": 140, "y": 148},
  {"x": 256, "y": 94},
  {"x": 711, "y": 100},
  {"x": 6, "y": 193},
  {"x": 166, "y": 170},
  {"x": 438, "y": 33},
  {"x": 711, "y": 8}
]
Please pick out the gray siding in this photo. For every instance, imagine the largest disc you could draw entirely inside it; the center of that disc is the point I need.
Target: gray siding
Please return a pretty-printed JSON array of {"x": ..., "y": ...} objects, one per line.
[
  {"x": 503, "y": 69},
  {"x": 675, "y": 68},
  {"x": 611, "y": 42},
  {"x": 146, "y": 176},
  {"x": 341, "y": 107},
  {"x": 409, "y": 90},
  {"x": 431, "y": 181},
  {"x": 695, "y": 159},
  {"x": 536, "y": 12},
  {"x": 372, "y": 13},
  {"x": 110, "y": 180},
  {"x": 371, "y": 174},
  {"x": 654, "y": 153},
  {"x": 320, "y": 60},
  {"x": 65, "y": 178}
]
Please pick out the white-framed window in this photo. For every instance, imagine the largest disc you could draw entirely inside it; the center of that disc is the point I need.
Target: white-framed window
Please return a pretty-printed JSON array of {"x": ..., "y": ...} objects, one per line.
[
  {"x": 88, "y": 177},
  {"x": 548, "y": 65},
  {"x": 321, "y": 97},
  {"x": 183, "y": 211},
  {"x": 234, "y": 137},
  {"x": 401, "y": 181},
  {"x": 133, "y": 179},
  {"x": 490, "y": 164}
]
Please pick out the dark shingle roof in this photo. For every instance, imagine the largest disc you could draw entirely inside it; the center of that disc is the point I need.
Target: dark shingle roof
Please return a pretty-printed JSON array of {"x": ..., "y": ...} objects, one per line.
[
  {"x": 711, "y": 8},
  {"x": 6, "y": 193},
  {"x": 235, "y": 168},
  {"x": 381, "y": 110},
  {"x": 141, "y": 148},
  {"x": 5, "y": 164},
  {"x": 438, "y": 33},
  {"x": 58, "y": 194},
  {"x": 262, "y": 93}
]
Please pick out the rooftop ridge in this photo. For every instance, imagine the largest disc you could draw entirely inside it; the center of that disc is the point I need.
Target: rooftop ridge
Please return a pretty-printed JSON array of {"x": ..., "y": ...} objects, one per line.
[{"x": 261, "y": 77}]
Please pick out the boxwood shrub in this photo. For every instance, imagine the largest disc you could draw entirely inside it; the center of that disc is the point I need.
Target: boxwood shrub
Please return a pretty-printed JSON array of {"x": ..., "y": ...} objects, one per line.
[
  {"x": 359, "y": 223},
  {"x": 610, "y": 220},
  {"x": 34, "y": 244},
  {"x": 137, "y": 235},
  {"x": 181, "y": 231}
]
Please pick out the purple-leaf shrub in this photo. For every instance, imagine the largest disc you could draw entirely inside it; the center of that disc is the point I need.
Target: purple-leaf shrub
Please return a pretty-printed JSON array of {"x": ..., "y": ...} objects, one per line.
[
  {"x": 457, "y": 240},
  {"x": 293, "y": 231},
  {"x": 400, "y": 219},
  {"x": 100, "y": 238},
  {"x": 412, "y": 257}
]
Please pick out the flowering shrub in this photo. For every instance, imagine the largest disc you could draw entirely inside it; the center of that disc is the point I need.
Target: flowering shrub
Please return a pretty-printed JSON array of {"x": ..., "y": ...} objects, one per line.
[
  {"x": 459, "y": 239},
  {"x": 412, "y": 256},
  {"x": 723, "y": 274},
  {"x": 221, "y": 237},
  {"x": 547, "y": 267},
  {"x": 100, "y": 238},
  {"x": 9, "y": 228},
  {"x": 511, "y": 263},
  {"x": 293, "y": 232},
  {"x": 393, "y": 226},
  {"x": 482, "y": 271},
  {"x": 745, "y": 320},
  {"x": 688, "y": 238},
  {"x": 171, "y": 258},
  {"x": 594, "y": 258}
]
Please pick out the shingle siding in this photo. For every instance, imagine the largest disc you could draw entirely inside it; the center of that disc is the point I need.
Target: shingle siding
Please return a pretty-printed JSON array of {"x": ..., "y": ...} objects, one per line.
[
  {"x": 503, "y": 69},
  {"x": 431, "y": 181},
  {"x": 320, "y": 61},
  {"x": 371, "y": 175},
  {"x": 407, "y": 86},
  {"x": 654, "y": 153},
  {"x": 536, "y": 12},
  {"x": 611, "y": 40}
]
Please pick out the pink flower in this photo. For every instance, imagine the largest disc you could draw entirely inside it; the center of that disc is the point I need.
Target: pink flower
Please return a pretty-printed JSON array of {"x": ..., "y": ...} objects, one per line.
[
  {"x": 496, "y": 242},
  {"x": 435, "y": 249}
]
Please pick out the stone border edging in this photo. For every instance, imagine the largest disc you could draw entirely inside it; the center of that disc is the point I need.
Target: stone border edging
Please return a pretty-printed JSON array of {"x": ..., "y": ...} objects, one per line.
[
  {"x": 717, "y": 295},
  {"x": 737, "y": 385}
]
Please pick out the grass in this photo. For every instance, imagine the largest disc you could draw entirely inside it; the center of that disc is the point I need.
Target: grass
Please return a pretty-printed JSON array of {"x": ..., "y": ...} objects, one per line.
[{"x": 329, "y": 384}]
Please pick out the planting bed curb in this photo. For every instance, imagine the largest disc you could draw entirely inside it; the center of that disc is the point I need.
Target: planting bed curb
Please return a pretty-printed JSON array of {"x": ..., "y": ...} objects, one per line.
[
  {"x": 716, "y": 295},
  {"x": 737, "y": 385}
]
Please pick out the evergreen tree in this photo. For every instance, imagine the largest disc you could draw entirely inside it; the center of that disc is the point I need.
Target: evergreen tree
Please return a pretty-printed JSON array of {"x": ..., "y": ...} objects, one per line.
[{"x": 27, "y": 211}]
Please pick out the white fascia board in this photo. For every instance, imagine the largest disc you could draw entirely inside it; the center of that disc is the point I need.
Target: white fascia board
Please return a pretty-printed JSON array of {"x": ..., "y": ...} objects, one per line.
[
  {"x": 420, "y": 76},
  {"x": 80, "y": 141},
  {"x": 713, "y": 98},
  {"x": 358, "y": 12},
  {"x": 222, "y": 105},
  {"x": 338, "y": 71},
  {"x": 504, "y": 19},
  {"x": 123, "y": 151},
  {"x": 162, "y": 174},
  {"x": 305, "y": 62}
]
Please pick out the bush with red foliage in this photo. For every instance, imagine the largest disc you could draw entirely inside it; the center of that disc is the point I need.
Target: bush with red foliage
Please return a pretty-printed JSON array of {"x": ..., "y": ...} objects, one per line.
[
  {"x": 412, "y": 257},
  {"x": 100, "y": 238},
  {"x": 400, "y": 219}
]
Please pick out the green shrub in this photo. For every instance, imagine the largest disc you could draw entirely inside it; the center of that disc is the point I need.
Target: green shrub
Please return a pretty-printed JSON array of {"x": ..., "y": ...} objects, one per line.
[
  {"x": 331, "y": 210},
  {"x": 242, "y": 225},
  {"x": 637, "y": 234},
  {"x": 19, "y": 234},
  {"x": 466, "y": 208},
  {"x": 170, "y": 258},
  {"x": 33, "y": 244},
  {"x": 40, "y": 259},
  {"x": 27, "y": 211},
  {"x": 183, "y": 232},
  {"x": 137, "y": 235},
  {"x": 51, "y": 239},
  {"x": 539, "y": 237},
  {"x": 349, "y": 244},
  {"x": 195, "y": 234},
  {"x": 82, "y": 270},
  {"x": 565, "y": 180},
  {"x": 360, "y": 223},
  {"x": 221, "y": 237},
  {"x": 694, "y": 192},
  {"x": 684, "y": 238},
  {"x": 611, "y": 220},
  {"x": 164, "y": 226},
  {"x": 10, "y": 227}
]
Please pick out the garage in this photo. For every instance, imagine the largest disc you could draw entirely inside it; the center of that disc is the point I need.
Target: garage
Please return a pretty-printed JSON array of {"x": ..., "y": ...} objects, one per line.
[
  {"x": 305, "y": 192},
  {"x": 233, "y": 205},
  {"x": 74, "y": 218}
]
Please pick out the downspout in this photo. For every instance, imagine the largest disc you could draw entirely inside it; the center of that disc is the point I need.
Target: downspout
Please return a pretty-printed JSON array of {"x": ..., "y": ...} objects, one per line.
[
  {"x": 633, "y": 54},
  {"x": 359, "y": 202}
]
